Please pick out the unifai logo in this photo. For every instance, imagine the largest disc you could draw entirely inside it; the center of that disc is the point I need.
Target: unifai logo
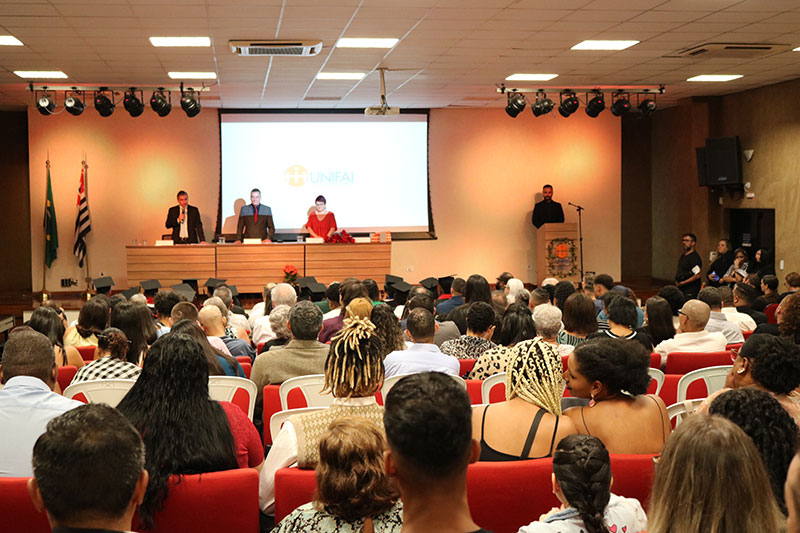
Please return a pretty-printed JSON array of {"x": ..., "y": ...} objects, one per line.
[{"x": 298, "y": 175}]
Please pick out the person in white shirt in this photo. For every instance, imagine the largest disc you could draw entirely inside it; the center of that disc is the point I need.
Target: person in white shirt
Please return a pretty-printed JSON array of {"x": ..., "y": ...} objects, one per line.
[
  {"x": 691, "y": 335},
  {"x": 717, "y": 320},
  {"x": 281, "y": 294},
  {"x": 423, "y": 355},
  {"x": 744, "y": 321},
  {"x": 27, "y": 400},
  {"x": 582, "y": 483},
  {"x": 260, "y": 308}
]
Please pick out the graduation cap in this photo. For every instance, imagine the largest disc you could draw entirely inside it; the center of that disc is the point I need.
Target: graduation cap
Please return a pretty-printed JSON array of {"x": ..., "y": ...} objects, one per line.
[
  {"x": 401, "y": 286},
  {"x": 392, "y": 279},
  {"x": 444, "y": 280},
  {"x": 192, "y": 282},
  {"x": 306, "y": 282},
  {"x": 150, "y": 285},
  {"x": 430, "y": 283},
  {"x": 185, "y": 290},
  {"x": 213, "y": 283},
  {"x": 127, "y": 293},
  {"x": 103, "y": 284},
  {"x": 317, "y": 288},
  {"x": 234, "y": 290}
]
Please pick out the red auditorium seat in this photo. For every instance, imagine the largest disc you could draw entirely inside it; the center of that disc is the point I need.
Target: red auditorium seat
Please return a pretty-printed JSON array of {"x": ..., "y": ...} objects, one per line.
[
  {"x": 655, "y": 361},
  {"x": 247, "y": 367},
  {"x": 685, "y": 362},
  {"x": 669, "y": 391},
  {"x": 243, "y": 359},
  {"x": 65, "y": 375},
  {"x": 17, "y": 510},
  {"x": 466, "y": 366},
  {"x": 770, "y": 312},
  {"x": 87, "y": 353},
  {"x": 734, "y": 346},
  {"x": 272, "y": 404},
  {"x": 746, "y": 334},
  {"x": 259, "y": 347},
  {"x": 474, "y": 391}
]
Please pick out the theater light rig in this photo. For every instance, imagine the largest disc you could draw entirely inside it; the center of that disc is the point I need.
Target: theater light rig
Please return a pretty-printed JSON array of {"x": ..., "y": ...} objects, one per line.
[{"x": 594, "y": 101}]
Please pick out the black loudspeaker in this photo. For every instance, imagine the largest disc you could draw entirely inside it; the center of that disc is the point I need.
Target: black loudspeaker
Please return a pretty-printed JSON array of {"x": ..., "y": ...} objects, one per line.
[
  {"x": 702, "y": 178},
  {"x": 723, "y": 161}
]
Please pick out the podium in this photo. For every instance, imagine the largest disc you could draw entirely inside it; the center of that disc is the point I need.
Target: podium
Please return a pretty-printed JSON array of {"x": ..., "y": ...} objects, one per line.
[{"x": 558, "y": 252}]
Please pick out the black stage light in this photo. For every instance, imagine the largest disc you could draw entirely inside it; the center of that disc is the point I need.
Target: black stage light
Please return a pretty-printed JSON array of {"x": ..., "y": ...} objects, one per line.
[
  {"x": 647, "y": 107},
  {"x": 596, "y": 105},
  {"x": 190, "y": 103},
  {"x": 73, "y": 104},
  {"x": 161, "y": 102},
  {"x": 103, "y": 104},
  {"x": 542, "y": 106},
  {"x": 46, "y": 104},
  {"x": 132, "y": 103},
  {"x": 621, "y": 104},
  {"x": 569, "y": 104},
  {"x": 516, "y": 104}
]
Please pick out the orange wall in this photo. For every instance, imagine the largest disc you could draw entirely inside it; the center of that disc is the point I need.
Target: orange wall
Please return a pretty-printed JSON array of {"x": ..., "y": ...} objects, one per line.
[{"x": 485, "y": 169}]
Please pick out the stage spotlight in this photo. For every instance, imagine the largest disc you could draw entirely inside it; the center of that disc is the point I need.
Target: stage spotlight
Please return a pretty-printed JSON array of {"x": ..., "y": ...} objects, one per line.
[
  {"x": 542, "y": 106},
  {"x": 190, "y": 103},
  {"x": 161, "y": 102},
  {"x": 73, "y": 104},
  {"x": 596, "y": 105},
  {"x": 103, "y": 104},
  {"x": 569, "y": 104},
  {"x": 647, "y": 107},
  {"x": 516, "y": 104},
  {"x": 133, "y": 104},
  {"x": 621, "y": 104},
  {"x": 46, "y": 104}
]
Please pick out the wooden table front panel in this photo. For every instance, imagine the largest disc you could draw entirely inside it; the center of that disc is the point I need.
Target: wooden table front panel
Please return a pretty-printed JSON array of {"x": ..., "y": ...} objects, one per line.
[
  {"x": 251, "y": 266},
  {"x": 334, "y": 262},
  {"x": 170, "y": 264}
]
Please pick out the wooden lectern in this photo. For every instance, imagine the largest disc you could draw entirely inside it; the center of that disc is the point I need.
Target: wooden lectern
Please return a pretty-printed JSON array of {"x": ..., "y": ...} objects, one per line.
[{"x": 558, "y": 252}]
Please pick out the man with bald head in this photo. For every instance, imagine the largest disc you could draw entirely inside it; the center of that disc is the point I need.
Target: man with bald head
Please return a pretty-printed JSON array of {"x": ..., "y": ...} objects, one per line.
[
  {"x": 691, "y": 335},
  {"x": 213, "y": 323},
  {"x": 27, "y": 401}
]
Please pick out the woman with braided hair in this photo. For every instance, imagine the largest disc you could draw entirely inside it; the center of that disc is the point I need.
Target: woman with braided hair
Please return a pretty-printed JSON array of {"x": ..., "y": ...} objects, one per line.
[
  {"x": 582, "y": 483},
  {"x": 529, "y": 422},
  {"x": 353, "y": 373}
]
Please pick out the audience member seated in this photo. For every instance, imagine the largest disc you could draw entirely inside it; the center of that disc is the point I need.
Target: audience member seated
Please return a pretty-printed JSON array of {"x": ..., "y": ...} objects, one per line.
[
  {"x": 579, "y": 319},
  {"x": 769, "y": 286},
  {"x": 354, "y": 494},
  {"x": 523, "y": 297},
  {"x": 443, "y": 307},
  {"x": 737, "y": 272},
  {"x": 184, "y": 431},
  {"x": 163, "y": 302},
  {"x": 353, "y": 374},
  {"x": 127, "y": 318},
  {"x": 517, "y": 326},
  {"x": 499, "y": 301},
  {"x": 547, "y": 319},
  {"x": 334, "y": 304},
  {"x": 230, "y": 329},
  {"x": 279, "y": 323},
  {"x": 707, "y": 461},
  {"x": 27, "y": 401},
  {"x": 92, "y": 319},
  {"x": 240, "y": 322},
  {"x": 88, "y": 471},
  {"x": 445, "y": 331},
  {"x": 530, "y": 419},
  {"x": 213, "y": 323},
  {"x": 675, "y": 298},
  {"x": 788, "y": 317},
  {"x": 743, "y": 296},
  {"x": 538, "y": 297},
  {"x": 602, "y": 284},
  {"x": 564, "y": 289},
  {"x": 423, "y": 354},
  {"x": 692, "y": 335},
  {"x": 47, "y": 322},
  {"x": 387, "y": 329},
  {"x": 622, "y": 320},
  {"x": 613, "y": 373},
  {"x": 476, "y": 289},
  {"x": 350, "y": 289},
  {"x": 792, "y": 282},
  {"x": 219, "y": 363},
  {"x": 602, "y": 316},
  {"x": 771, "y": 429},
  {"x": 582, "y": 483},
  {"x": 111, "y": 359},
  {"x": 429, "y": 431},
  {"x": 281, "y": 294},
  {"x": 766, "y": 363},
  {"x": 512, "y": 289},
  {"x": 480, "y": 328},
  {"x": 658, "y": 320},
  {"x": 262, "y": 308},
  {"x": 717, "y": 321},
  {"x": 744, "y": 321},
  {"x": 187, "y": 311},
  {"x": 720, "y": 265}
]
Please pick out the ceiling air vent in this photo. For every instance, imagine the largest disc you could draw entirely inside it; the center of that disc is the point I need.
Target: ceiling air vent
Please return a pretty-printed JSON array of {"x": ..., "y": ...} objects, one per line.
[
  {"x": 276, "y": 48},
  {"x": 732, "y": 50}
]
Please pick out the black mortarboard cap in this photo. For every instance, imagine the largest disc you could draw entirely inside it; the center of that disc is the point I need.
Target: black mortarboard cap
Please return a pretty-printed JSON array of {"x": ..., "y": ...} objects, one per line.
[
  {"x": 317, "y": 288},
  {"x": 185, "y": 290},
  {"x": 446, "y": 279},
  {"x": 401, "y": 286},
  {"x": 213, "y": 283},
  {"x": 127, "y": 293},
  {"x": 103, "y": 283},
  {"x": 151, "y": 285},
  {"x": 306, "y": 282},
  {"x": 430, "y": 283},
  {"x": 392, "y": 279},
  {"x": 234, "y": 290},
  {"x": 192, "y": 282}
]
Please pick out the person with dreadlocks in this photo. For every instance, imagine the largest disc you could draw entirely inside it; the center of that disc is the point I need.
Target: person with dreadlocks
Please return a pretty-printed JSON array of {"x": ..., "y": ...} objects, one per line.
[
  {"x": 582, "y": 483},
  {"x": 353, "y": 374},
  {"x": 530, "y": 419}
]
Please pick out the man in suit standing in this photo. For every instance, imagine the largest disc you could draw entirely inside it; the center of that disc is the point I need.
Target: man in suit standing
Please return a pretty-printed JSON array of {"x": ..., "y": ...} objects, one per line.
[
  {"x": 184, "y": 219},
  {"x": 255, "y": 220},
  {"x": 547, "y": 210}
]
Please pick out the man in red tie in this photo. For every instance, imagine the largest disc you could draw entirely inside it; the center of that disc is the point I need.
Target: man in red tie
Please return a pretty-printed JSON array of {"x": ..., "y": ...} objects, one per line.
[
  {"x": 184, "y": 219},
  {"x": 255, "y": 220}
]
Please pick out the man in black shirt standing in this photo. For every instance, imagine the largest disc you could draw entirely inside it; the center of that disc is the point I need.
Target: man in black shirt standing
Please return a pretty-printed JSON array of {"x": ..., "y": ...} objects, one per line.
[
  {"x": 547, "y": 210},
  {"x": 690, "y": 266}
]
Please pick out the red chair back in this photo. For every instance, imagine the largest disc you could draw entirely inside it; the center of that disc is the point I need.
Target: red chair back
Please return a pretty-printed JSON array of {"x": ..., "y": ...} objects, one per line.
[
  {"x": 65, "y": 375},
  {"x": 247, "y": 367},
  {"x": 497, "y": 393},
  {"x": 633, "y": 476},
  {"x": 16, "y": 508},
  {"x": 734, "y": 346},
  {"x": 564, "y": 365},
  {"x": 770, "y": 312},
  {"x": 271, "y": 405},
  {"x": 466, "y": 366},
  {"x": 259, "y": 347},
  {"x": 87, "y": 352},
  {"x": 685, "y": 362},
  {"x": 474, "y": 391},
  {"x": 655, "y": 361},
  {"x": 669, "y": 391},
  {"x": 243, "y": 359},
  {"x": 746, "y": 334}
]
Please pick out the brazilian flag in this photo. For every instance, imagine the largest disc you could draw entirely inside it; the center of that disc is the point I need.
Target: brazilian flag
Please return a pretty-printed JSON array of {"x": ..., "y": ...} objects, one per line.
[{"x": 50, "y": 226}]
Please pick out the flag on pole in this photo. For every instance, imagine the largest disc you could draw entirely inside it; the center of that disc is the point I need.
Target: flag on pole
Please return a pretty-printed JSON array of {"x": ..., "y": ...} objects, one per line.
[
  {"x": 50, "y": 226},
  {"x": 82, "y": 224}
]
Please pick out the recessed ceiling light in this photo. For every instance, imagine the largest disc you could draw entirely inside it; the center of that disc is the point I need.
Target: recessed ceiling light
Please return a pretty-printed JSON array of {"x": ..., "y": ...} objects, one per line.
[
  {"x": 40, "y": 74},
  {"x": 715, "y": 77},
  {"x": 604, "y": 45},
  {"x": 531, "y": 77},
  {"x": 340, "y": 75},
  {"x": 180, "y": 41},
  {"x": 193, "y": 75},
  {"x": 366, "y": 43},
  {"x": 9, "y": 40}
]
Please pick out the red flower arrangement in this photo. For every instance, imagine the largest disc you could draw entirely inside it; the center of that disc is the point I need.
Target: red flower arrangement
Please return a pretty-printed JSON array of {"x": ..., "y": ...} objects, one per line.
[
  {"x": 289, "y": 274},
  {"x": 341, "y": 237}
]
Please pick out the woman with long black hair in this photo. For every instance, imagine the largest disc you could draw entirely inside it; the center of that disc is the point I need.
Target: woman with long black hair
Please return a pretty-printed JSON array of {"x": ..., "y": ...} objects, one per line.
[
  {"x": 47, "y": 322},
  {"x": 219, "y": 363}
]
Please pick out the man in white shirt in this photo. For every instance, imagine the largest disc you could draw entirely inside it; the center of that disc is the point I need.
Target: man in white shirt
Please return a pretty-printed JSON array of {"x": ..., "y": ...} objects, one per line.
[
  {"x": 744, "y": 321},
  {"x": 692, "y": 335},
  {"x": 27, "y": 400},
  {"x": 281, "y": 294},
  {"x": 717, "y": 320},
  {"x": 238, "y": 321},
  {"x": 423, "y": 355}
]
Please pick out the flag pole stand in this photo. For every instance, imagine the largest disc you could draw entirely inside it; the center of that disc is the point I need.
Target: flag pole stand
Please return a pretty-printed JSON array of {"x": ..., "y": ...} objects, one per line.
[
  {"x": 89, "y": 292},
  {"x": 45, "y": 294}
]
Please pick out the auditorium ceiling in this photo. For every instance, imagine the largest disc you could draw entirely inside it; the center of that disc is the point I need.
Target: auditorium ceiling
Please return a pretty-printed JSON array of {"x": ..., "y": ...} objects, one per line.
[{"x": 451, "y": 53}]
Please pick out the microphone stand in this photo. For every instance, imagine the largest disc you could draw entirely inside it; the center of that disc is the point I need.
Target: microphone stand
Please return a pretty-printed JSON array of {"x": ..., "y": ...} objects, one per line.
[{"x": 580, "y": 234}]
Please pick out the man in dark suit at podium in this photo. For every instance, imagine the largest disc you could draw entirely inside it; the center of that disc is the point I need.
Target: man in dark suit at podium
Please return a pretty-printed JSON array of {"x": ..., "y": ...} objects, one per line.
[
  {"x": 547, "y": 211},
  {"x": 184, "y": 219},
  {"x": 255, "y": 220}
]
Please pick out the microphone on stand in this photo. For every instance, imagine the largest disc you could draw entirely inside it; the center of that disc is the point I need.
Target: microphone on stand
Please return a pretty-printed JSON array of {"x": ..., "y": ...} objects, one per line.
[{"x": 578, "y": 207}]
